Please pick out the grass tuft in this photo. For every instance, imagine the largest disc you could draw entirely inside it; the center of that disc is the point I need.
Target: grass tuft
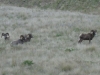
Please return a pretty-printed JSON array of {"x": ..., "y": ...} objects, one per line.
[
  {"x": 70, "y": 49},
  {"x": 28, "y": 62},
  {"x": 91, "y": 48}
]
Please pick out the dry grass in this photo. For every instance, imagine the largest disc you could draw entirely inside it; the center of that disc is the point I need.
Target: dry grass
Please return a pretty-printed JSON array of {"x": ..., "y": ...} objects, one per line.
[{"x": 54, "y": 32}]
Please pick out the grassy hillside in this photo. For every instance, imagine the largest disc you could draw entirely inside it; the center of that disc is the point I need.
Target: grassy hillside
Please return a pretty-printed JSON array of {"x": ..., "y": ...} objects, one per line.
[
  {"x": 75, "y": 5},
  {"x": 54, "y": 49}
]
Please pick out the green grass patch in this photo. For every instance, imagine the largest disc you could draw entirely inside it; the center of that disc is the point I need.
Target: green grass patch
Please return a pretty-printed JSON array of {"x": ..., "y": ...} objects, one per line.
[
  {"x": 28, "y": 62},
  {"x": 69, "y": 49},
  {"x": 91, "y": 48},
  {"x": 59, "y": 34},
  {"x": 67, "y": 68}
]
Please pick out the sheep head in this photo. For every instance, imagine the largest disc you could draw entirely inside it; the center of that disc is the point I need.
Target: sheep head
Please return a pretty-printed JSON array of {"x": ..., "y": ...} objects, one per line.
[{"x": 6, "y": 35}]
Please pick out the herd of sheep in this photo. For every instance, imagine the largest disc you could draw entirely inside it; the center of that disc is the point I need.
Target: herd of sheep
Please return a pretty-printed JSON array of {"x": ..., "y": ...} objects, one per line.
[
  {"x": 21, "y": 40},
  {"x": 26, "y": 38}
]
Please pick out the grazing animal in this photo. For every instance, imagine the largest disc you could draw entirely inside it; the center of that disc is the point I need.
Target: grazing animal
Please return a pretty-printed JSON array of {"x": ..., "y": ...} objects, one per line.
[
  {"x": 6, "y": 36},
  {"x": 28, "y": 37},
  {"x": 19, "y": 41},
  {"x": 88, "y": 36}
]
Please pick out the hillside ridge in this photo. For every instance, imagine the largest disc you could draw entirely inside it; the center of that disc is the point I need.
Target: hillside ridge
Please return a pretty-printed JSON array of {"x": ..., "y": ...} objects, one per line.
[{"x": 74, "y": 5}]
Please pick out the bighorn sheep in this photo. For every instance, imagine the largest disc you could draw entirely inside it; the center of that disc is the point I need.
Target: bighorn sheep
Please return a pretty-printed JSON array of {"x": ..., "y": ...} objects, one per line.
[
  {"x": 23, "y": 39},
  {"x": 88, "y": 36},
  {"x": 6, "y": 36},
  {"x": 28, "y": 37},
  {"x": 19, "y": 41}
]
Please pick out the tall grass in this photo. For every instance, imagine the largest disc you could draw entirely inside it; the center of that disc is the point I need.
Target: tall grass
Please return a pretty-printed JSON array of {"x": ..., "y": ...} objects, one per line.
[
  {"x": 72, "y": 5},
  {"x": 54, "y": 49}
]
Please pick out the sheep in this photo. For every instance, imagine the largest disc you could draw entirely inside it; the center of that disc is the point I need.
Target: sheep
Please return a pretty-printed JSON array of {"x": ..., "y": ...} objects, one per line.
[
  {"x": 88, "y": 36},
  {"x": 19, "y": 41},
  {"x": 6, "y": 36},
  {"x": 28, "y": 37},
  {"x": 23, "y": 39}
]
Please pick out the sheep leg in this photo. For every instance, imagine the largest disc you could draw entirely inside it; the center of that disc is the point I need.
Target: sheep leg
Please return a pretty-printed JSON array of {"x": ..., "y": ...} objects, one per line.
[
  {"x": 89, "y": 41},
  {"x": 80, "y": 41}
]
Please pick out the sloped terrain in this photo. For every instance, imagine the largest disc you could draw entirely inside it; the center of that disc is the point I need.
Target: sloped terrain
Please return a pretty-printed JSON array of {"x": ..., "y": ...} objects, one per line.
[
  {"x": 72, "y": 5},
  {"x": 54, "y": 50}
]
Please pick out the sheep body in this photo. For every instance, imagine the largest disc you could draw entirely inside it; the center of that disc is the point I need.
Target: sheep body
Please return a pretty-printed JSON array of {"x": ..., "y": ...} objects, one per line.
[
  {"x": 19, "y": 41},
  {"x": 88, "y": 36}
]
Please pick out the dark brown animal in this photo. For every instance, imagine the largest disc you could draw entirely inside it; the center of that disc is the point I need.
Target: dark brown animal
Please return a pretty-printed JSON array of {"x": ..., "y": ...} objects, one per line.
[
  {"x": 6, "y": 36},
  {"x": 19, "y": 41},
  {"x": 88, "y": 36},
  {"x": 28, "y": 37}
]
